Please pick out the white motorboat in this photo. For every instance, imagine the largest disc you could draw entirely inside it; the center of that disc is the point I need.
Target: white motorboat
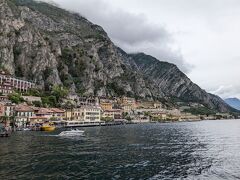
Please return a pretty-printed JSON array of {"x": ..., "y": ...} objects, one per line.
[
  {"x": 26, "y": 129},
  {"x": 73, "y": 132}
]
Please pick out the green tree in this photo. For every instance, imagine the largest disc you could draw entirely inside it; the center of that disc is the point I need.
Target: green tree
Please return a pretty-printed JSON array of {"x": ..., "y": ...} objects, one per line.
[
  {"x": 107, "y": 119},
  {"x": 37, "y": 103},
  {"x": 128, "y": 118},
  {"x": 59, "y": 92},
  {"x": 15, "y": 98},
  {"x": 33, "y": 92}
]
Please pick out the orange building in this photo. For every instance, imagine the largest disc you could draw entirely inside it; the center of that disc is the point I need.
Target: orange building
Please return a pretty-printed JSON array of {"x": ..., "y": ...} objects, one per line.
[{"x": 106, "y": 106}]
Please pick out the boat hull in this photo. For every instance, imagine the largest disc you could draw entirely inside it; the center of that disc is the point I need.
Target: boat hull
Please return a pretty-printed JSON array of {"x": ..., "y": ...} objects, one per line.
[{"x": 47, "y": 128}]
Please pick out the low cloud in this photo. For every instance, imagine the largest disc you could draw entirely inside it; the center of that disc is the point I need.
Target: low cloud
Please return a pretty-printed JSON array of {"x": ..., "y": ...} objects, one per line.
[
  {"x": 131, "y": 32},
  {"x": 227, "y": 91}
]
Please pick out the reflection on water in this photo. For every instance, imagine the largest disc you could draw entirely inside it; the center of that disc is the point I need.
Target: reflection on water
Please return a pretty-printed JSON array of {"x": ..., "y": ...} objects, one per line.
[{"x": 201, "y": 150}]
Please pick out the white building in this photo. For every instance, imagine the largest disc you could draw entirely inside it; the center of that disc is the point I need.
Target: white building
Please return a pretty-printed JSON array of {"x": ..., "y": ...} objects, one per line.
[
  {"x": 16, "y": 83},
  {"x": 91, "y": 113},
  {"x": 9, "y": 109},
  {"x": 31, "y": 99},
  {"x": 23, "y": 115}
]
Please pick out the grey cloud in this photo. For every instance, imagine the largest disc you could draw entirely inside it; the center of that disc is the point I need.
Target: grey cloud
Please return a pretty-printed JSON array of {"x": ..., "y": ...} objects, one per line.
[
  {"x": 227, "y": 91},
  {"x": 132, "y": 32},
  {"x": 134, "y": 29},
  {"x": 120, "y": 25}
]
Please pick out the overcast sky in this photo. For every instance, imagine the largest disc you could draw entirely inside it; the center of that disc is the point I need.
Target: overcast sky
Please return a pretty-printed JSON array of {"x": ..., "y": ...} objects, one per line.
[{"x": 200, "y": 36}]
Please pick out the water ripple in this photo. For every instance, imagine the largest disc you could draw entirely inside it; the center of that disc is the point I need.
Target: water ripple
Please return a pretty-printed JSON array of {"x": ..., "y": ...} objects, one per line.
[{"x": 201, "y": 150}]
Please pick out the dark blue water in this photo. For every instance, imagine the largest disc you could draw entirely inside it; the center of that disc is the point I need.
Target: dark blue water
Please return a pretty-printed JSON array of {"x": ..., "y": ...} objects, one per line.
[{"x": 193, "y": 150}]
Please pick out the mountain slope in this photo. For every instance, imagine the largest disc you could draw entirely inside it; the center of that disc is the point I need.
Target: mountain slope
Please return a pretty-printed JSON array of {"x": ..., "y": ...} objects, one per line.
[
  {"x": 173, "y": 83},
  {"x": 49, "y": 45},
  {"x": 233, "y": 102}
]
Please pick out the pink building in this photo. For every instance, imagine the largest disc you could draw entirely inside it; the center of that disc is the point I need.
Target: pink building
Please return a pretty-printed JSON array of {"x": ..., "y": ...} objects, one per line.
[{"x": 8, "y": 83}]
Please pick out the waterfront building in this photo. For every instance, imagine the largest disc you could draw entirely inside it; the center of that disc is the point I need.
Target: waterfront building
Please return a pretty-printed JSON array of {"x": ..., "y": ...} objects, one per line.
[
  {"x": 209, "y": 117},
  {"x": 23, "y": 114},
  {"x": 84, "y": 113},
  {"x": 68, "y": 115},
  {"x": 45, "y": 112},
  {"x": 59, "y": 114},
  {"x": 39, "y": 117},
  {"x": 127, "y": 104},
  {"x": 189, "y": 116},
  {"x": 223, "y": 116},
  {"x": 9, "y": 109},
  {"x": 36, "y": 120},
  {"x": 74, "y": 114},
  {"x": 91, "y": 113},
  {"x": 113, "y": 114},
  {"x": 159, "y": 116},
  {"x": 140, "y": 119}
]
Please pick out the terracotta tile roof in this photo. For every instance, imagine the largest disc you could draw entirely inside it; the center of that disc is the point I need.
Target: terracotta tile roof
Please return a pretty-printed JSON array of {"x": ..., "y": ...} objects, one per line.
[
  {"x": 44, "y": 111},
  {"x": 35, "y": 108},
  {"x": 57, "y": 110},
  {"x": 113, "y": 110},
  {"x": 23, "y": 108},
  {"x": 38, "y": 117}
]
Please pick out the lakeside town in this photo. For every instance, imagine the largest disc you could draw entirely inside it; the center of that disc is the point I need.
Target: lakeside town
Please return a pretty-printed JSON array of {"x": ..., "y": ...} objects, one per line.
[{"x": 21, "y": 110}]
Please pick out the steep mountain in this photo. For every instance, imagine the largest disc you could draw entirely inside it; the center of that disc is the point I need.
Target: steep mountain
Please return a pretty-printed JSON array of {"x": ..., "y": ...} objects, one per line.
[
  {"x": 233, "y": 102},
  {"x": 49, "y": 45},
  {"x": 174, "y": 83}
]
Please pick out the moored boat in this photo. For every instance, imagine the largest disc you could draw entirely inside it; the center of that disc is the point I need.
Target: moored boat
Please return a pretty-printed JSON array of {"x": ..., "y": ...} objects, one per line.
[{"x": 48, "y": 127}]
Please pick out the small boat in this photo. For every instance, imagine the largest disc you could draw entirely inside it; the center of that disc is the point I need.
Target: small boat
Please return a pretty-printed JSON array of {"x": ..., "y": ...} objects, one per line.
[
  {"x": 73, "y": 132},
  {"x": 26, "y": 129},
  {"x": 48, "y": 127}
]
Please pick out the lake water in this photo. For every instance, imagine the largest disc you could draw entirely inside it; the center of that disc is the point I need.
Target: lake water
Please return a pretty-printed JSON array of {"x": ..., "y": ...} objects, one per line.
[{"x": 189, "y": 150}]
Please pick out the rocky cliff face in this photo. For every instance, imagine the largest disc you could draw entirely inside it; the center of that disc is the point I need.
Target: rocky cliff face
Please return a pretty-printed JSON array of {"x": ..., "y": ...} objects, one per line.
[
  {"x": 174, "y": 83},
  {"x": 49, "y": 45}
]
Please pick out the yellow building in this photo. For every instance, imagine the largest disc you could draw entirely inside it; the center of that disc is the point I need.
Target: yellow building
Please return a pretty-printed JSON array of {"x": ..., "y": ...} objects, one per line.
[
  {"x": 74, "y": 114},
  {"x": 106, "y": 106},
  {"x": 84, "y": 113},
  {"x": 128, "y": 104},
  {"x": 59, "y": 114}
]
